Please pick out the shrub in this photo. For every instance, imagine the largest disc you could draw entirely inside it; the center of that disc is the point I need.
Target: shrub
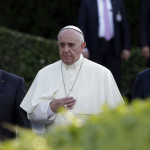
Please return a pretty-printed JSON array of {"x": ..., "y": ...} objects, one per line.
[
  {"x": 124, "y": 128},
  {"x": 24, "y": 54}
]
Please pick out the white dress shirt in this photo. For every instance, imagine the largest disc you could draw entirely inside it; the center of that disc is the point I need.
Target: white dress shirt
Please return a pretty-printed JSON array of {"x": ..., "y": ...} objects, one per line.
[{"x": 100, "y": 5}]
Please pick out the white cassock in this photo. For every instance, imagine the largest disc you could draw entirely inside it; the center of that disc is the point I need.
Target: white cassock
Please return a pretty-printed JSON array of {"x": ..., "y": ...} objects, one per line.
[{"x": 94, "y": 87}]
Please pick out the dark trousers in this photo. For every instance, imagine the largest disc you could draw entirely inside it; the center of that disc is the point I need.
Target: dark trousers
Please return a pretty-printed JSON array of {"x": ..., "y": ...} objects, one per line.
[{"x": 105, "y": 56}]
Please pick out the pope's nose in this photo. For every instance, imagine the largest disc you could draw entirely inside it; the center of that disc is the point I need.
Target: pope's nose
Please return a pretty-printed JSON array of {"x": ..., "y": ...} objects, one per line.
[{"x": 66, "y": 49}]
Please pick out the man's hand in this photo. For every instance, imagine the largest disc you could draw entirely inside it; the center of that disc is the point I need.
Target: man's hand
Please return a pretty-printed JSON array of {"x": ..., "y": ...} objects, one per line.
[
  {"x": 146, "y": 51},
  {"x": 125, "y": 54},
  {"x": 69, "y": 102},
  {"x": 86, "y": 54}
]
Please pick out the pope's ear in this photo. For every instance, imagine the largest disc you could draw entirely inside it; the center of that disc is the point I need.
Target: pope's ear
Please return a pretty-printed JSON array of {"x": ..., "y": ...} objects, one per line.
[
  {"x": 58, "y": 43},
  {"x": 83, "y": 45}
]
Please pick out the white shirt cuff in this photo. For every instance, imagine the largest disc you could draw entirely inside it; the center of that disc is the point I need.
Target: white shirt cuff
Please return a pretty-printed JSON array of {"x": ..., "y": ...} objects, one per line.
[
  {"x": 42, "y": 113},
  {"x": 85, "y": 50}
]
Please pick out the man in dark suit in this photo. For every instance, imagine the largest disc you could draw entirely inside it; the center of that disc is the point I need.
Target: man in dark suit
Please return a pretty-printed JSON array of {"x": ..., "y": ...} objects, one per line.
[
  {"x": 12, "y": 92},
  {"x": 102, "y": 48},
  {"x": 144, "y": 22},
  {"x": 142, "y": 85}
]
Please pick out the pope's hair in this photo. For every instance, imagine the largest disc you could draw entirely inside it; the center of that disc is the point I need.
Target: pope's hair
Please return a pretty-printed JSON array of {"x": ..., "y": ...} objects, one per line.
[{"x": 77, "y": 33}]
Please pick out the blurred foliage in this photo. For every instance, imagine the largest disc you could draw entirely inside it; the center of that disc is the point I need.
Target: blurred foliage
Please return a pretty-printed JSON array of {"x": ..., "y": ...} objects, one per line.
[
  {"x": 124, "y": 128},
  {"x": 46, "y": 18},
  {"x": 24, "y": 55}
]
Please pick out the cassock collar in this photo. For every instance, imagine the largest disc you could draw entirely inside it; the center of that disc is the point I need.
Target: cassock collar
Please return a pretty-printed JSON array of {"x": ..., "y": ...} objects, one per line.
[{"x": 75, "y": 65}]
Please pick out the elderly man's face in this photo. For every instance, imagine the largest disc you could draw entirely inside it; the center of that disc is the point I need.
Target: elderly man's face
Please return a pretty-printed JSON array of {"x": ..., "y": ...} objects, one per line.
[{"x": 70, "y": 47}]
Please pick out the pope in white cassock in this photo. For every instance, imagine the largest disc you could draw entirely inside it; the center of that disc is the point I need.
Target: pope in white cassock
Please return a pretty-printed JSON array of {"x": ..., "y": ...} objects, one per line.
[{"x": 74, "y": 82}]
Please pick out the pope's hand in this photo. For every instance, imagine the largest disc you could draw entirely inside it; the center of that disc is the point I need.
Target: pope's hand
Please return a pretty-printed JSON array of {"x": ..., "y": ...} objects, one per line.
[{"x": 69, "y": 102}]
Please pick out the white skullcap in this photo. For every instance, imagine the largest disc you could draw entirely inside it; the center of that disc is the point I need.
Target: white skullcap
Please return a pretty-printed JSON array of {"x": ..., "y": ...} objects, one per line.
[{"x": 72, "y": 27}]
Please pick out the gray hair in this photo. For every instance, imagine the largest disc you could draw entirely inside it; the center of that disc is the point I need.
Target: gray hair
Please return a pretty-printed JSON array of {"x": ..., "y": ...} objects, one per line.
[{"x": 79, "y": 32}]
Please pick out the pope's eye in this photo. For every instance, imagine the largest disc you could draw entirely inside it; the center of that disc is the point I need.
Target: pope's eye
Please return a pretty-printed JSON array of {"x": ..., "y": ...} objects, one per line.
[
  {"x": 61, "y": 44},
  {"x": 71, "y": 44}
]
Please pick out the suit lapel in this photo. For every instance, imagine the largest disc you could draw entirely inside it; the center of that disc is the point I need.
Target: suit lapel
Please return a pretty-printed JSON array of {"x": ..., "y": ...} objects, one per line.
[
  {"x": 2, "y": 80},
  {"x": 113, "y": 2}
]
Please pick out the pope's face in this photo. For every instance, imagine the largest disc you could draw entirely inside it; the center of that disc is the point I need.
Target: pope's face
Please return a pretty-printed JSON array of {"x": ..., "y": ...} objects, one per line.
[{"x": 70, "y": 46}]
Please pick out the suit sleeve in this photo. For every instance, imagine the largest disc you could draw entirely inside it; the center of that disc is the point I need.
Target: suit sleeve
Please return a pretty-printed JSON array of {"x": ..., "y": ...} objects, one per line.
[
  {"x": 137, "y": 89},
  {"x": 143, "y": 22},
  {"x": 21, "y": 115}
]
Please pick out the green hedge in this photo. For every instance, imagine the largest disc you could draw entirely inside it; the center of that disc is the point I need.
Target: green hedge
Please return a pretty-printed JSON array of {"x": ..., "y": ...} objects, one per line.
[
  {"x": 124, "y": 128},
  {"x": 24, "y": 55}
]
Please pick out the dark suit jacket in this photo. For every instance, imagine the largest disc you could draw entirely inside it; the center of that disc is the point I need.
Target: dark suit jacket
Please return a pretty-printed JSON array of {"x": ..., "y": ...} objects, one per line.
[
  {"x": 142, "y": 85},
  {"x": 88, "y": 23},
  {"x": 144, "y": 22},
  {"x": 12, "y": 92}
]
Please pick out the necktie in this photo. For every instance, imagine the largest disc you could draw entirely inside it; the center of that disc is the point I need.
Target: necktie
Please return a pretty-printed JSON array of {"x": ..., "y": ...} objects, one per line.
[{"x": 108, "y": 34}]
